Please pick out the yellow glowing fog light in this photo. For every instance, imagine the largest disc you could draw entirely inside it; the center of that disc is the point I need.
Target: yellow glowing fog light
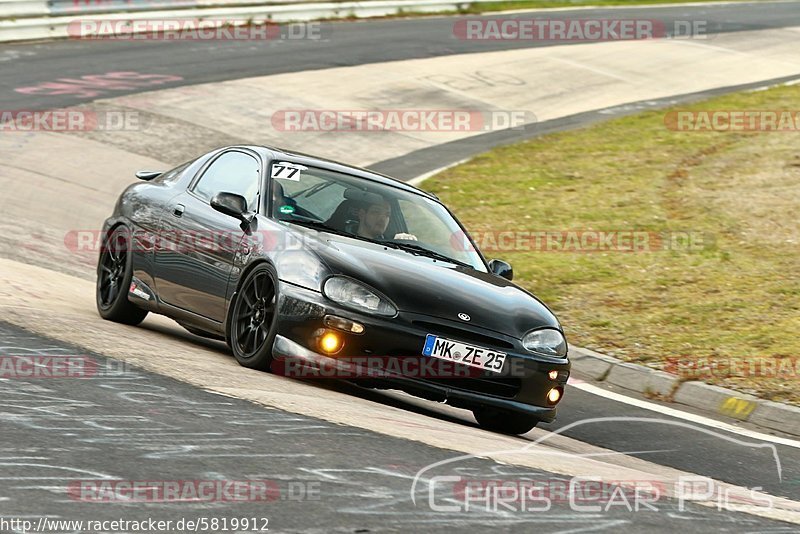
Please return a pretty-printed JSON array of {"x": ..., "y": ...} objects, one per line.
[
  {"x": 331, "y": 343},
  {"x": 552, "y": 375},
  {"x": 554, "y": 395}
]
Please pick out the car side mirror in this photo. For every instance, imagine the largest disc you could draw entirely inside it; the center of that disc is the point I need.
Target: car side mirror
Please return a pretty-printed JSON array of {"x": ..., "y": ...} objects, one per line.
[
  {"x": 233, "y": 205},
  {"x": 501, "y": 269}
]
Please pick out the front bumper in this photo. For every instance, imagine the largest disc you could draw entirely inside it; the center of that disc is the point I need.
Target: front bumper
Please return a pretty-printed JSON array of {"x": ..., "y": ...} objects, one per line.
[{"x": 522, "y": 386}]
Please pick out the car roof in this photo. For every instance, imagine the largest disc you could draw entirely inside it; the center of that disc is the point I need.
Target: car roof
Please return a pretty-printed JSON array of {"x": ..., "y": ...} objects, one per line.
[{"x": 314, "y": 161}]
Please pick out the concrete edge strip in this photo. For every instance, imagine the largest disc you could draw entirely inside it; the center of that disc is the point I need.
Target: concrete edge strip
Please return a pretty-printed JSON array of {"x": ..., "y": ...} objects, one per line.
[
  {"x": 696, "y": 394},
  {"x": 422, "y": 164}
]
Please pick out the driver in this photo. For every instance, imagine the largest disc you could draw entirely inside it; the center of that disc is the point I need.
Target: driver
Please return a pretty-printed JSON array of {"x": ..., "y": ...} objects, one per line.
[{"x": 373, "y": 219}]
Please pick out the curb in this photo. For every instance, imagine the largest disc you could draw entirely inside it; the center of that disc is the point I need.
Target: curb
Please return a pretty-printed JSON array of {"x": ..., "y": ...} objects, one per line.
[
  {"x": 666, "y": 386},
  {"x": 778, "y": 417}
]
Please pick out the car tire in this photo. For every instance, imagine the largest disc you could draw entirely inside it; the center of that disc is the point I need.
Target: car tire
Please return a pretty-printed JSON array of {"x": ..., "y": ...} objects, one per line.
[
  {"x": 504, "y": 422},
  {"x": 114, "y": 273},
  {"x": 253, "y": 320}
]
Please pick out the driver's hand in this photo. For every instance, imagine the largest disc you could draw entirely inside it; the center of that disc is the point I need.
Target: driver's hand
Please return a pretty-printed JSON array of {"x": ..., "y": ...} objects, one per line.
[{"x": 408, "y": 237}]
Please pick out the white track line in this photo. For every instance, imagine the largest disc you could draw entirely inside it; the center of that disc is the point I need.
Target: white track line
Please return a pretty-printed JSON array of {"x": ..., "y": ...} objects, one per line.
[
  {"x": 422, "y": 177},
  {"x": 678, "y": 414}
]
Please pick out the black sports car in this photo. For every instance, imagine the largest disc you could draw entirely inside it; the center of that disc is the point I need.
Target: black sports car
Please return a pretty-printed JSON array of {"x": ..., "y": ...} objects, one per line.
[{"x": 291, "y": 258}]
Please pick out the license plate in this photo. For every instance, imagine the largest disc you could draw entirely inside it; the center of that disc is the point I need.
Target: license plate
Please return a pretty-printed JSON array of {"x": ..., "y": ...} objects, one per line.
[{"x": 455, "y": 351}]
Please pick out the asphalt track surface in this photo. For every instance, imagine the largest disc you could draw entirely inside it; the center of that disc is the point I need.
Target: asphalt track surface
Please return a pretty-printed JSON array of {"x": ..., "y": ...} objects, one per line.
[
  {"x": 342, "y": 44},
  {"x": 63, "y": 438},
  {"x": 76, "y": 436}
]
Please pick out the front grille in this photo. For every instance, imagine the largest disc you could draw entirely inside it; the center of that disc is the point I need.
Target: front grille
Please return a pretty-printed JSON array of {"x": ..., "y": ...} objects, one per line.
[
  {"x": 477, "y": 381},
  {"x": 504, "y": 387},
  {"x": 457, "y": 334}
]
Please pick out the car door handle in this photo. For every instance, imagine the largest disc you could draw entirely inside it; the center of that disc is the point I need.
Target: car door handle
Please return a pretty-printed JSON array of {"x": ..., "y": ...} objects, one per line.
[{"x": 177, "y": 211}]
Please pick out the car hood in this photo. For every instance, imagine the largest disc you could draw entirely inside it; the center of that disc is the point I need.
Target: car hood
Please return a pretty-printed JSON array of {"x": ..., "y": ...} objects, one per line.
[{"x": 425, "y": 286}]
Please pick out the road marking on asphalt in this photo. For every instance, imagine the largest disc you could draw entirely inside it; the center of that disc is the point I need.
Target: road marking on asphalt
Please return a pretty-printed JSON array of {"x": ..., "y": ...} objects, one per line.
[{"x": 678, "y": 414}]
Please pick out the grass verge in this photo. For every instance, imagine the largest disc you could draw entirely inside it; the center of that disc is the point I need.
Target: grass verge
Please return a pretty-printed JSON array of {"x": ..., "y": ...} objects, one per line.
[{"x": 731, "y": 297}]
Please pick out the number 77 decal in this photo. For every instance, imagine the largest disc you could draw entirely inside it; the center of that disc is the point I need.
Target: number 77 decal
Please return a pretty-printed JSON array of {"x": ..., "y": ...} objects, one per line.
[{"x": 287, "y": 171}]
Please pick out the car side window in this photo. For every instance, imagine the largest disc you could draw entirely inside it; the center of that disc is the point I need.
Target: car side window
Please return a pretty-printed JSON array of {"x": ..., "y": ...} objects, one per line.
[{"x": 232, "y": 172}]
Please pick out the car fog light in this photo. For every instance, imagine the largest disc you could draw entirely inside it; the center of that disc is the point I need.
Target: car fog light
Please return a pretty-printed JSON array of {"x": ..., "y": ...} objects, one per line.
[
  {"x": 554, "y": 395},
  {"x": 330, "y": 343},
  {"x": 552, "y": 375},
  {"x": 340, "y": 323}
]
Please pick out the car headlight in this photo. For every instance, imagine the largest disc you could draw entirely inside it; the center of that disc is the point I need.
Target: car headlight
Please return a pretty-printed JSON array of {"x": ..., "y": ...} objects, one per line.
[
  {"x": 357, "y": 296},
  {"x": 546, "y": 341}
]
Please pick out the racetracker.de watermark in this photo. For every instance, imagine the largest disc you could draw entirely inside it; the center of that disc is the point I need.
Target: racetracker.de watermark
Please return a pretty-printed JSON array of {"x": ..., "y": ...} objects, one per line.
[
  {"x": 30, "y": 366},
  {"x": 411, "y": 366},
  {"x": 706, "y": 368},
  {"x": 582, "y": 241},
  {"x": 196, "y": 523},
  {"x": 224, "y": 29},
  {"x": 43, "y": 366},
  {"x": 144, "y": 491},
  {"x": 68, "y": 120},
  {"x": 85, "y": 242},
  {"x": 185, "y": 241},
  {"x": 577, "y": 241},
  {"x": 399, "y": 120},
  {"x": 578, "y": 30},
  {"x": 733, "y": 121}
]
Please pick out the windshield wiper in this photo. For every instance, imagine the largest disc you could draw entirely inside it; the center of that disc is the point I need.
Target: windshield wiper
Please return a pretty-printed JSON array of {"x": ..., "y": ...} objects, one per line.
[
  {"x": 312, "y": 190},
  {"x": 413, "y": 248}
]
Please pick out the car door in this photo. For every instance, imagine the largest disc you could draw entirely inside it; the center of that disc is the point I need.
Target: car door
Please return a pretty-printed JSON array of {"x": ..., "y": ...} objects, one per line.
[
  {"x": 146, "y": 208},
  {"x": 198, "y": 243}
]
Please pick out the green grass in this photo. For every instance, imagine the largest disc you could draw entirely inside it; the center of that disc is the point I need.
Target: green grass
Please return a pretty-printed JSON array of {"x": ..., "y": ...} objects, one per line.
[{"x": 736, "y": 296}]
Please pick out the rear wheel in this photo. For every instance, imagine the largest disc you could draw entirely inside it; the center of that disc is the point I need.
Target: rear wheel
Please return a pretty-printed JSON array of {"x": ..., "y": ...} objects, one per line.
[
  {"x": 114, "y": 273},
  {"x": 254, "y": 317},
  {"x": 504, "y": 421}
]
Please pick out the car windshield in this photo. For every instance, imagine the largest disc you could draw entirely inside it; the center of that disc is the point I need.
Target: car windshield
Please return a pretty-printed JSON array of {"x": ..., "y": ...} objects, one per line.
[{"x": 368, "y": 210}]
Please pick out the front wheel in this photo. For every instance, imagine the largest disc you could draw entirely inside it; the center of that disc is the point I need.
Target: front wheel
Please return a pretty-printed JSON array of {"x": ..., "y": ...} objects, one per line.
[
  {"x": 253, "y": 318},
  {"x": 114, "y": 273},
  {"x": 504, "y": 422}
]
